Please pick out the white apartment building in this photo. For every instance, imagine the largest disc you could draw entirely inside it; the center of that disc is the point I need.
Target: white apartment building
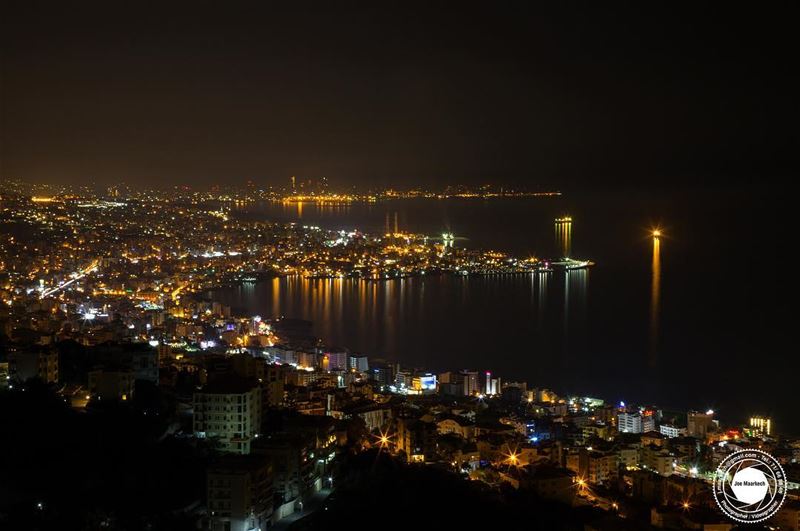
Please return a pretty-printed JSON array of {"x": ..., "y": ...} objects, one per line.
[
  {"x": 228, "y": 409},
  {"x": 629, "y": 423}
]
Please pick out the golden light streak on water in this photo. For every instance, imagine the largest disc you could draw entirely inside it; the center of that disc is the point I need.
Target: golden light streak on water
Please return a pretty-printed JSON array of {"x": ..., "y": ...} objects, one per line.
[
  {"x": 655, "y": 300},
  {"x": 276, "y": 296},
  {"x": 564, "y": 236},
  {"x": 542, "y": 300},
  {"x": 558, "y": 235}
]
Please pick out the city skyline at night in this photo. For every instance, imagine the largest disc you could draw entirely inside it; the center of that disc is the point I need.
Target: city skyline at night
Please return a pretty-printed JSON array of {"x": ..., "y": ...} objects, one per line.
[{"x": 274, "y": 266}]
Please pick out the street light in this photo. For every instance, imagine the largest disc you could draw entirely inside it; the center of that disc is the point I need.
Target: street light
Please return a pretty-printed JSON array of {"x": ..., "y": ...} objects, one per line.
[{"x": 384, "y": 439}]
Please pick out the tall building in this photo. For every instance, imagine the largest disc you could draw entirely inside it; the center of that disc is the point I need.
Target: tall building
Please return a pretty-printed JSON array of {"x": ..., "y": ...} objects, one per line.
[
  {"x": 403, "y": 379},
  {"x": 229, "y": 410},
  {"x": 383, "y": 375},
  {"x": 294, "y": 461},
  {"x": 306, "y": 359},
  {"x": 762, "y": 425},
  {"x": 145, "y": 364},
  {"x": 358, "y": 363},
  {"x": 42, "y": 364},
  {"x": 282, "y": 354},
  {"x": 274, "y": 383},
  {"x": 337, "y": 360},
  {"x": 240, "y": 493},
  {"x": 649, "y": 417},
  {"x": 451, "y": 383},
  {"x": 450, "y": 377},
  {"x": 629, "y": 422},
  {"x": 471, "y": 384},
  {"x": 491, "y": 386},
  {"x": 494, "y": 386},
  {"x": 416, "y": 438},
  {"x": 699, "y": 425}
]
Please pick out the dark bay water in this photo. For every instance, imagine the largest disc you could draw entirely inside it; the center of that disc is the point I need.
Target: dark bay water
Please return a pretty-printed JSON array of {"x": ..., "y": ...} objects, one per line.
[{"x": 699, "y": 319}]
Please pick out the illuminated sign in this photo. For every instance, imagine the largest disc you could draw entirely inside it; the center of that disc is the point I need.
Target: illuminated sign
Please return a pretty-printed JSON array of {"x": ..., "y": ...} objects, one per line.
[{"x": 426, "y": 383}]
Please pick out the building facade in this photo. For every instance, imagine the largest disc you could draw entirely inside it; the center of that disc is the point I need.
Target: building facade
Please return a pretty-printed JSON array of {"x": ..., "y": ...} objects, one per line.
[
  {"x": 629, "y": 423},
  {"x": 228, "y": 410},
  {"x": 240, "y": 494},
  {"x": 37, "y": 364}
]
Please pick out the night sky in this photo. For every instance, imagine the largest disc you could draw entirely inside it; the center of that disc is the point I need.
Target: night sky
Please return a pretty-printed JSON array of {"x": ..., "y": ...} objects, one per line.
[{"x": 402, "y": 94}]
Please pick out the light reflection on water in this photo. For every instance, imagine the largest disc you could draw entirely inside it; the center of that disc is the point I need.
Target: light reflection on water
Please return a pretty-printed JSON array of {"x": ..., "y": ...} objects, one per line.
[
  {"x": 648, "y": 310},
  {"x": 474, "y": 321},
  {"x": 655, "y": 301},
  {"x": 525, "y": 326},
  {"x": 564, "y": 237}
]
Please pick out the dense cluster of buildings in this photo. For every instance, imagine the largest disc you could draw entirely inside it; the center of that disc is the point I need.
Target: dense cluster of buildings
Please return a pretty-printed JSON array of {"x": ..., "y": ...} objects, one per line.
[
  {"x": 293, "y": 189},
  {"x": 575, "y": 450},
  {"x": 162, "y": 246},
  {"x": 128, "y": 322}
]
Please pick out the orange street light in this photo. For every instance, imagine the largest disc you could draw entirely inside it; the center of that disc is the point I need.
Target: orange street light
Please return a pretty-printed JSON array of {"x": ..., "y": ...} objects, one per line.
[{"x": 384, "y": 439}]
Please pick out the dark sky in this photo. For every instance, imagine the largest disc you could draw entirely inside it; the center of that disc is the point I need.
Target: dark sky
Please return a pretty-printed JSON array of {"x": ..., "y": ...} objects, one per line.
[{"x": 401, "y": 94}]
